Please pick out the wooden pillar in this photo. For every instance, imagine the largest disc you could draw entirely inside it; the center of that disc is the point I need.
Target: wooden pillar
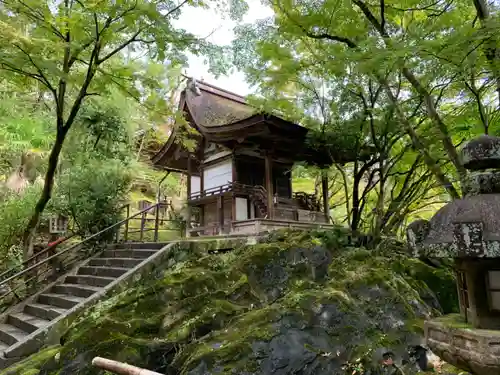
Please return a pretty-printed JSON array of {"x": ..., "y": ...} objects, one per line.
[
  {"x": 220, "y": 213},
  {"x": 324, "y": 188},
  {"x": 202, "y": 179},
  {"x": 189, "y": 174},
  {"x": 269, "y": 185},
  {"x": 188, "y": 206},
  {"x": 233, "y": 200},
  {"x": 202, "y": 189}
]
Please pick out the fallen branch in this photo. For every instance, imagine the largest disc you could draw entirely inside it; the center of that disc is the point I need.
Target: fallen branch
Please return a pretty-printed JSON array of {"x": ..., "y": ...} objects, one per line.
[{"x": 120, "y": 368}]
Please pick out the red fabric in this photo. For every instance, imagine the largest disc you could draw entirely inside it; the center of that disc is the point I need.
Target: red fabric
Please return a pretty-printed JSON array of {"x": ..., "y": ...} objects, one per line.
[{"x": 56, "y": 242}]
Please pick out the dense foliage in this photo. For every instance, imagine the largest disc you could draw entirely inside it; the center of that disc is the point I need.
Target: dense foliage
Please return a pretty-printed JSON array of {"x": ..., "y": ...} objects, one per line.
[
  {"x": 72, "y": 50},
  {"x": 404, "y": 81}
]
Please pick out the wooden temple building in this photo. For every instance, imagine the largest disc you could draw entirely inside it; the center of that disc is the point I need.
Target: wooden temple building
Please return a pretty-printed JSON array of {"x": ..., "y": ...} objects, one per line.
[{"x": 239, "y": 174}]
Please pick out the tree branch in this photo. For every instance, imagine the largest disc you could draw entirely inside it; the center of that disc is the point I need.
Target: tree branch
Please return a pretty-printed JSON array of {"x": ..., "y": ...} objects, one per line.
[
  {"x": 176, "y": 8},
  {"x": 429, "y": 102},
  {"x": 479, "y": 102},
  {"x": 119, "y": 48},
  {"x": 37, "y": 16},
  {"x": 40, "y": 72},
  {"x": 382, "y": 14},
  {"x": 312, "y": 35}
]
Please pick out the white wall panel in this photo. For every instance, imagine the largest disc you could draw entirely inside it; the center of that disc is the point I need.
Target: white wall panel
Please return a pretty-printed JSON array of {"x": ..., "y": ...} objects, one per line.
[
  {"x": 241, "y": 208},
  {"x": 218, "y": 174},
  {"x": 195, "y": 184}
]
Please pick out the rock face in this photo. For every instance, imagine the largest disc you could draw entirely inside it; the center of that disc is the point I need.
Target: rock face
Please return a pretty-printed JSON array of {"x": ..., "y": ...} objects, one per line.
[{"x": 295, "y": 303}]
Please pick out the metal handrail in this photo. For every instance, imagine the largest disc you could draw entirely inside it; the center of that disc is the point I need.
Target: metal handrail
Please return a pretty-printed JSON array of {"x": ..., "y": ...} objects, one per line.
[
  {"x": 37, "y": 255},
  {"x": 95, "y": 235},
  {"x": 46, "y": 250}
]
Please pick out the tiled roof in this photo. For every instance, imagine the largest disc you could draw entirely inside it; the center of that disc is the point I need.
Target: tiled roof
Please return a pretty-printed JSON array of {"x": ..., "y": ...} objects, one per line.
[{"x": 217, "y": 107}]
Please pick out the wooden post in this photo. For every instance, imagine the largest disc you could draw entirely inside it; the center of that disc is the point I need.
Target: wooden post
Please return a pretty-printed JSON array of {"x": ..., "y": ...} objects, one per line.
[
  {"x": 202, "y": 179},
  {"x": 188, "y": 206},
  {"x": 269, "y": 186},
  {"x": 233, "y": 200},
  {"x": 202, "y": 189},
  {"x": 220, "y": 212},
  {"x": 125, "y": 236},
  {"x": 143, "y": 223},
  {"x": 157, "y": 221},
  {"x": 324, "y": 188},
  {"x": 189, "y": 173},
  {"x": 117, "y": 234}
]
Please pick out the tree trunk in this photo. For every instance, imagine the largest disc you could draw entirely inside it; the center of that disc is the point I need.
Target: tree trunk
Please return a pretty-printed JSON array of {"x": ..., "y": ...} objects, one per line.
[
  {"x": 346, "y": 192},
  {"x": 379, "y": 210},
  {"x": 430, "y": 162},
  {"x": 30, "y": 231}
]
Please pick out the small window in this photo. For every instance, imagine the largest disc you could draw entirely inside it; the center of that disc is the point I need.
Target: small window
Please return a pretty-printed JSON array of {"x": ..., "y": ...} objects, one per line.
[{"x": 493, "y": 286}]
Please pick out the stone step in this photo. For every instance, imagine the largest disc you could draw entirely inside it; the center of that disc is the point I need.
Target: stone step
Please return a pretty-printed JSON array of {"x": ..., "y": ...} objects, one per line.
[
  {"x": 26, "y": 322},
  {"x": 137, "y": 245},
  {"x": 6, "y": 362},
  {"x": 3, "y": 346},
  {"x": 102, "y": 271},
  {"x": 59, "y": 300},
  {"x": 75, "y": 290},
  {"x": 25, "y": 331},
  {"x": 115, "y": 262},
  {"x": 11, "y": 335},
  {"x": 90, "y": 280},
  {"x": 44, "y": 311},
  {"x": 130, "y": 253}
]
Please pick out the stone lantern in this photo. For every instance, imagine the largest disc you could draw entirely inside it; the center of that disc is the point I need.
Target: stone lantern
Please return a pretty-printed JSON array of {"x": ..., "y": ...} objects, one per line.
[{"x": 468, "y": 230}]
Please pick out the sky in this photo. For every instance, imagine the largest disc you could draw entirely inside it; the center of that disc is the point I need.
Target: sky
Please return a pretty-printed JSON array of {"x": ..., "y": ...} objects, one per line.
[{"x": 202, "y": 23}]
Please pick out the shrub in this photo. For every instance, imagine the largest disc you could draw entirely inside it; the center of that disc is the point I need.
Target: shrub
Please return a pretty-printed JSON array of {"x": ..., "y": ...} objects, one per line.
[
  {"x": 15, "y": 212},
  {"x": 93, "y": 193}
]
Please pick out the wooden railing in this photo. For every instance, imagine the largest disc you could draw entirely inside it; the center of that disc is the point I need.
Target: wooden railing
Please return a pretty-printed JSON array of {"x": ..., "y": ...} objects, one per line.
[
  {"x": 307, "y": 201},
  {"x": 258, "y": 194},
  {"x": 157, "y": 222},
  {"x": 18, "y": 283},
  {"x": 218, "y": 190}
]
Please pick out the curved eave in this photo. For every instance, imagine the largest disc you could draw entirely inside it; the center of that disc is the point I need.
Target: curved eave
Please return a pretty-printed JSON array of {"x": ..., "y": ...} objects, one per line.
[{"x": 172, "y": 156}]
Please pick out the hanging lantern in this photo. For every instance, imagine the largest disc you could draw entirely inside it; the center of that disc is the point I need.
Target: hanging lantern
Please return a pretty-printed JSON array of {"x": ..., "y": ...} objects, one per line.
[{"x": 58, "y": 224}]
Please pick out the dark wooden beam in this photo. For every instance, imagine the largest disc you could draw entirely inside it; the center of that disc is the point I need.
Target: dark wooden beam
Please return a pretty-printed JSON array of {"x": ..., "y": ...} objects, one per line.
[
  {"x": 189, "y": 174},
  {"x": 188, "y": 207},
  {"x": 220, "y": 213},
  {"x": 269, "y": 185},
  {"x": 234, "y": 179},
  {"x": 202, "y": 189}
]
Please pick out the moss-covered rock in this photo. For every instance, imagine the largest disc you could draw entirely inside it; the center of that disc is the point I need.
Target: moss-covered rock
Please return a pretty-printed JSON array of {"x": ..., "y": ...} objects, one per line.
[
  {"x": 295, "y": 303},
  {"x": 32, "y": 365}
]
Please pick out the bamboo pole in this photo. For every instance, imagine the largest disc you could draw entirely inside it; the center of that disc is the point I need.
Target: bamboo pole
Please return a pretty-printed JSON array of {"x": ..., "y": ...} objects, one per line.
[{"x": 120, "y": 368}]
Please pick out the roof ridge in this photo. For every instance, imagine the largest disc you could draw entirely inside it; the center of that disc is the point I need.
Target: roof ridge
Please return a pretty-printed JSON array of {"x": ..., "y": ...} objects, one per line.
[
  {"x": 221, "y": 89},
  {"x": 202, "y": 85}
]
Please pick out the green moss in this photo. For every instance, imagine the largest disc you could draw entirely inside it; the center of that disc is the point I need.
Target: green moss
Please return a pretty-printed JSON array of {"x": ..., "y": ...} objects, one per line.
[
  {"x": 212, "y": 308},
  {"x": 454, "y": 321},
  {"x": 32, "y": 365}
]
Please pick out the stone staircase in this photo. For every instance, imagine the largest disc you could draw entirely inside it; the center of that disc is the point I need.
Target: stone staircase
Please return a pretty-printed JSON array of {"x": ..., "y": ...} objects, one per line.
[{"x": 26, "y": 328}]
